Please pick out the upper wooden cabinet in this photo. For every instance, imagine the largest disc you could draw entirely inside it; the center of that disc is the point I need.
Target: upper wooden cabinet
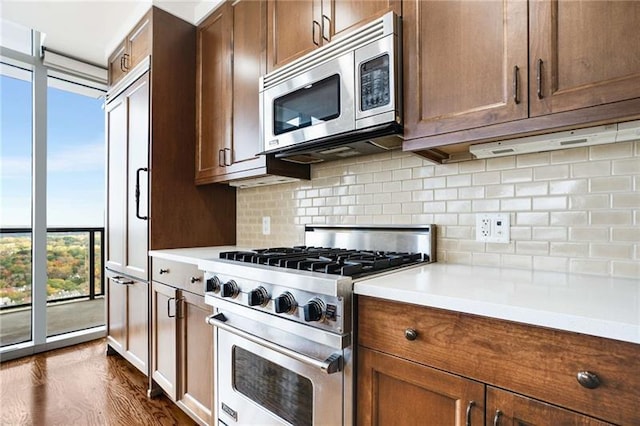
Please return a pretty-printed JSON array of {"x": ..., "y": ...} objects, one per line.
[
  {"x": 583, "y": 53},
  {"x": 134, "y": 48},
  {"x": 298, "y": 27},
  {"x": 478, "y": 71},
  {"x": 465, "y": 64},
  {"x": 231, "y": 57}
]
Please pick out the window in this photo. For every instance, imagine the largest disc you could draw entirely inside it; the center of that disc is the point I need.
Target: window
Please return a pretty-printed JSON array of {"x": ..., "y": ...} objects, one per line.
[{"x": 53, "y": 156}]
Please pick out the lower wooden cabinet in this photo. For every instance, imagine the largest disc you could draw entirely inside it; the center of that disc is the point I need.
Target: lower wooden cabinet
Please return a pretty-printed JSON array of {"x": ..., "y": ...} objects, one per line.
[
  {"x": 195, "y": 358},
  {"x": 182, "y": 350},
  {"x": 507, "y": 408},
  {"x": 423, "y": 366},
  {"x": 127, "y": 319},
  {"x": 395, "y": 391}
]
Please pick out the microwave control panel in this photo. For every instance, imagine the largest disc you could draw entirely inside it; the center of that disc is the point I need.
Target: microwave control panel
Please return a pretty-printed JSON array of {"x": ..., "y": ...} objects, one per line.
[{"x": 374, "y": 83}]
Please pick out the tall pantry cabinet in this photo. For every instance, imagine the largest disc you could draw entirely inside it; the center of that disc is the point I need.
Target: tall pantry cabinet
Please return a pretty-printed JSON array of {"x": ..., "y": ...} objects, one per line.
[{"x": 152, "y": 202}]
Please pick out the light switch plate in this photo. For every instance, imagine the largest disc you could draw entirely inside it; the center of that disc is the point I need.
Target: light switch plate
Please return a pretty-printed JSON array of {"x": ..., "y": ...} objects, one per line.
[{"x": 493, "y": 227}]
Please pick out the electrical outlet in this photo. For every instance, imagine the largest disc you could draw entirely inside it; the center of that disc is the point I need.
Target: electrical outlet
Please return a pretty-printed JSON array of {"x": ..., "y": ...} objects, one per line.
[
  {"x": 493, "y": 227},
  {"x": 266, "y": 225}
]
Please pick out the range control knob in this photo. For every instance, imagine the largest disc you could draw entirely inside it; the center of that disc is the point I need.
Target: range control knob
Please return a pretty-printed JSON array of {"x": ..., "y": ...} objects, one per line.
[
  {"x": 230, "y": 289},
  {"x": 213, "y": 284},
  {"x": 284, "y": 303},
  {"x": 258, "y": 297},
  {"x": 313, "y": 310}
]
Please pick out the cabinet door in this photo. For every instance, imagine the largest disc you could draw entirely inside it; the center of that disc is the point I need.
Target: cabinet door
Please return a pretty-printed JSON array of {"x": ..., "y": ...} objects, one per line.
[
  {"x": 117, "y": 65},
  {"x": 249, "y": 63},
  {"x": 139, "y": 42},
  {"x": 116, "y": 311},
  {"x": 137, "y": 188},
  {"x": 339, "y": 16},
  {"x": 294, "y": 29},
  {"x": 137, "y": 325},
  {"x": 164, "y": 338},
  {"x": 506, "y": 408},
  {"x": 214, "y": 94},
  {"x": 196, "y": 357},
  {"x": 116, "y": 183},
  {"x": 583, "y": 53},
  {"x": 392, "y": 390},
  {"x": 465, "y": 64}
]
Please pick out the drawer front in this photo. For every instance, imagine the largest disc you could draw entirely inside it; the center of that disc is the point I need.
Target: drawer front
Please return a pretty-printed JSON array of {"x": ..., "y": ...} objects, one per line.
[
  {"x": 176, "y": 274},
  {"x": 533, "y": 361}
]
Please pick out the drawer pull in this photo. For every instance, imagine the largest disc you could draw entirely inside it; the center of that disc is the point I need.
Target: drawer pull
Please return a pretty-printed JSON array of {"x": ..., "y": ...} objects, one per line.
[
  {"x": 164, "y": 271},
  {"x": 496, "y": 418},
  {"x": 194, "y": 280},
  {"x": 410, "y": 334},
  {"x": 469, "y": 407},
  {"x": 588, "y": 379}
]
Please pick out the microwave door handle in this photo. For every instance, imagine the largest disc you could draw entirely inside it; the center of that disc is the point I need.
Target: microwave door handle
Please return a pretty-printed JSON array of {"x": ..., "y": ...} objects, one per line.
[{"x": 330, "y": 365}]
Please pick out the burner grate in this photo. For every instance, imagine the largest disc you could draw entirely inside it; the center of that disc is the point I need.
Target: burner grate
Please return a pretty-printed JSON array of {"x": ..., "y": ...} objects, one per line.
[{"x": 334, "y": 261}]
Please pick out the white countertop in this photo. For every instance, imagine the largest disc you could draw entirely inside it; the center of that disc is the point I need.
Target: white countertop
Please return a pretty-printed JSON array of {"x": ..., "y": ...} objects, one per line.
[
  {"x": 598, "y": 306},
  {"x": 193, "y": 255}
]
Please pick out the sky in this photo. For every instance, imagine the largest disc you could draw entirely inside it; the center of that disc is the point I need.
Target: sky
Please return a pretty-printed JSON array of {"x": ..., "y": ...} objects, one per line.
[{"x": 75, "y": 157}]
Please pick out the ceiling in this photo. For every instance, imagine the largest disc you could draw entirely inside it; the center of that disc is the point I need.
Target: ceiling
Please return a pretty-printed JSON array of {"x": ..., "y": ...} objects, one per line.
[{"x": 90, "y": 29}]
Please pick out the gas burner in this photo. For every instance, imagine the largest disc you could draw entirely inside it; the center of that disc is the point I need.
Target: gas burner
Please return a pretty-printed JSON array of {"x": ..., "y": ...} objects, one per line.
[{"x": 336, "y": 261}]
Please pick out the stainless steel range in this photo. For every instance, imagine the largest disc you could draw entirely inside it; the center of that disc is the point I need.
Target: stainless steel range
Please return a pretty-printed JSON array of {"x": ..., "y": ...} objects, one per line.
[{"x": 284, "y": 323}]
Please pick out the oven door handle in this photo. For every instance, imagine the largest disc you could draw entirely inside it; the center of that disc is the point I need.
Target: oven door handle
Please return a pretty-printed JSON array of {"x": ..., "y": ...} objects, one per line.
[{"x": 330, "y": 365}]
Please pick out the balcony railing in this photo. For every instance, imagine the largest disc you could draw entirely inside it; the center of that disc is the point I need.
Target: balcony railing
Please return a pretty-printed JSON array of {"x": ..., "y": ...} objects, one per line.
[{"x": 75, "y": 257}]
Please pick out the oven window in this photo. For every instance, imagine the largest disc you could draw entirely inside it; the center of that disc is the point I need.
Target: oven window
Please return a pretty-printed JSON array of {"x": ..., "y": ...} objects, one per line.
[
  {"x": 310, "y": 105},
  {"x": 283, "y": 392}
]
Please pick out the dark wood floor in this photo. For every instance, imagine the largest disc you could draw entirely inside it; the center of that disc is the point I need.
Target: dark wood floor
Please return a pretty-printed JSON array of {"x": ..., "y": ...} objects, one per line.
[{"x": 80, "y": 385}]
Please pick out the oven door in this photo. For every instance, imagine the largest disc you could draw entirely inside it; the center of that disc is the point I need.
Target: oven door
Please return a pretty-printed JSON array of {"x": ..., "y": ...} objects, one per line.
[
  {"x": 315, "y": 104},
  {"x": 270, "y": 376}
]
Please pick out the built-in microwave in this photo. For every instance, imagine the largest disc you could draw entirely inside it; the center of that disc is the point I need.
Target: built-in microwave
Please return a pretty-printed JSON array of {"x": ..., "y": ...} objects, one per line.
[{"x": 341, "y": 100}]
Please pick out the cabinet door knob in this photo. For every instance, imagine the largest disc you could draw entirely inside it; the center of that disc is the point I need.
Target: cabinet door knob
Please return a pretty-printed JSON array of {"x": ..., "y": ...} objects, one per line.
[
  {"x": 588, "y": 379},
  {"x": 164, "y": 271},
  {"x": 410, "y": 334},
  {"x": 195, "y": 279}
]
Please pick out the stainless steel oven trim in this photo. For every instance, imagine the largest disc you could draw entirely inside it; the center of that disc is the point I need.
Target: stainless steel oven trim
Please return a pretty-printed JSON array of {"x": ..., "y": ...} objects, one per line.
[
  {"x": 315, "y": 335},
  {"x": 315, "y": 282},
  {"x": 328, "y": 394},
  {"x": 332, "y": 364}
]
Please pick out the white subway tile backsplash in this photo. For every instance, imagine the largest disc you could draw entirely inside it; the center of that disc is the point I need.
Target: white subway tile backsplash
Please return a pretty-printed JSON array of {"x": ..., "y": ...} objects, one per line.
[
  {"x": 501, "y": 163},
  {"x": 515, "y": 204},
  {"x": 569, "y": 218},
  {"x": 576, "y": 210},
  {"x": 571, "y": 186},
  {"x": 611, "y": 184},
  {"x": 528, "y": 189},
  {"x": 517, "y": 175},
  {"x": 486, "y": 178},
  {"x": 626, "y": 167},
  {"x": 551, "y": 172},
  {"x": 569, "y": 155},
  {"x": 550, "y": 233},
  {"x": 611, "y": 151},
  {"x": 499, "y": 191},
  {"x": 591, "y": 169},
  {"x": 549, "y": 203}
]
